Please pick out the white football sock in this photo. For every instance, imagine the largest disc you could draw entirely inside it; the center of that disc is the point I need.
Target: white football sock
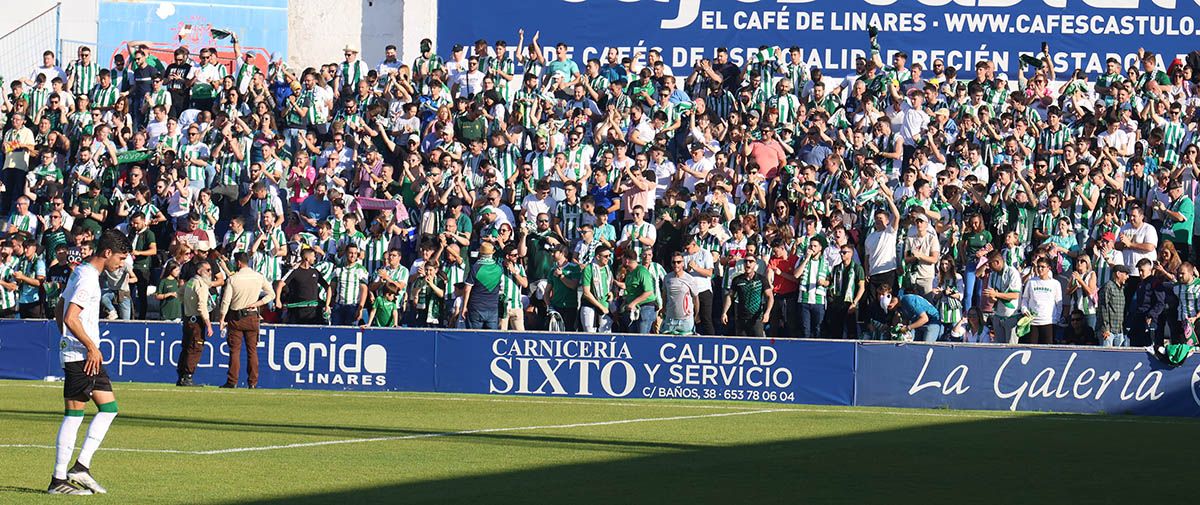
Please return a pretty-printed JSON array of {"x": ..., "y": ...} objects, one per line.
[
  {"x": 95, "y": 435},
  {"x": 65, "y": 446}
]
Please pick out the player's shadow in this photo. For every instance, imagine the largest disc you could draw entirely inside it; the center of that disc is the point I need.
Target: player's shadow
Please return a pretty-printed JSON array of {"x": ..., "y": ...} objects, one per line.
[
  {"x": 927, "y": 460},
  {"x": 20, "y": 490}
]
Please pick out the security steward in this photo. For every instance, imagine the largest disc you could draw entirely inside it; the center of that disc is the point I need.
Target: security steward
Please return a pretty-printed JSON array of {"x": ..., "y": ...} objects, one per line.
[
  {"x": 245, "y": 292},
  {"x": 196, "y": 325},
  {"x": 301, "y": 291}
]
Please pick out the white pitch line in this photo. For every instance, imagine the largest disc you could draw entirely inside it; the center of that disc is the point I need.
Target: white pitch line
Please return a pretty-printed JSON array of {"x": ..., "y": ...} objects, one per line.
[
  {"x": 655, "y": 403},
  {"x": 412, "y": 437}
]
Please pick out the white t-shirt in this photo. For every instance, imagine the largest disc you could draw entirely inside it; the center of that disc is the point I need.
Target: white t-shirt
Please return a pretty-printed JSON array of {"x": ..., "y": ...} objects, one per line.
[
  {"x": 703, "y": 258},
  {"x": 83, "y": 289},
  {"x": 881, "y": 251},
  {"x": 1043, "y": 298},
  {"x": 1143, "y": 234}
]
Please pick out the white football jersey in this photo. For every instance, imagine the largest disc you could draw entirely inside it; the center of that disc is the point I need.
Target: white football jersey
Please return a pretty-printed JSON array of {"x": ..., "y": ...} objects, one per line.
[{"x": 83, "y": 289}]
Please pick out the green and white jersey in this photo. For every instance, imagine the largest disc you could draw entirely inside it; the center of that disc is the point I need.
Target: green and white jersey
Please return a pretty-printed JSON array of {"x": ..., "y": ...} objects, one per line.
[
  {"x": 1189, "y": 299},
  {"x": 197, "y": 151},
  {"x": 455, "y": 273},
  {"x": 86, "y": 76},
  {"x": 887, "y": 144},
  {"x": 399, "y": 274},
  {"x": 798, "y": 73},
  {"x": 569, "y": 216},
  {"x": 759, "y": 98},
  {"x": 1107, "y": 80},
  {"x": 350, "y": 281},
  {"x": 26, "y": 223},
  {"x": 37, "y": 102},
  {"x": 8, "y": 299},
  {"x": 526, "y": 102},
  {"x": 815, "y": 270},
  {"x": 243, "y": 77},
  {"x": 542, "y": 163},
  {"x": 238, "y": 242},
  {"x": 658, "y": 273},
  {"x": 104, "y": 97},
  {"x": 579, "y": 161},
  {"x": 506, "y": 159},
  {"x": 788, "y": 107},
  {"x": 350, "y": 73},
  {"x": 272, "y": 265},
  {"x": 1173, "y": 134},
  {"x": 374, "y": 251},
  {"x": 505, "y": 64},
  {"x": 208, "y": 215},
  {"x": 1054, "y": 140},
  {"x": 423, "y": 65},
  {"x": 599, "y": 279},
  {"x": 511, "y": 290},
  {"x": 229, "y": 168}
]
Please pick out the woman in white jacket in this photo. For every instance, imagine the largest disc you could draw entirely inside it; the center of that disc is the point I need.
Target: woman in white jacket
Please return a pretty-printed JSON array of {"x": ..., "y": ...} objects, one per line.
[{"x": 1042, "y": 297}]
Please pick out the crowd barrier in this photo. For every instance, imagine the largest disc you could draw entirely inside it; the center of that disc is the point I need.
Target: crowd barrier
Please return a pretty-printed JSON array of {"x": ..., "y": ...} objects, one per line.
[{"x": 815, "y": 372}]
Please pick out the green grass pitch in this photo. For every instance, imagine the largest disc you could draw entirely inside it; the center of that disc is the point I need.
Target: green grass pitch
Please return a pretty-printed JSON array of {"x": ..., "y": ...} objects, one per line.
[{"x": 209, "y": 446}]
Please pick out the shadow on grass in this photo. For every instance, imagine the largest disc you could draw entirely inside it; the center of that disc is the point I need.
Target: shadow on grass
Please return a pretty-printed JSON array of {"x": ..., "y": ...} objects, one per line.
[
  {"x": 1036, "y": 459},
  {"x": 20, "y": 490},
  {"x": 515, "y": 439}
]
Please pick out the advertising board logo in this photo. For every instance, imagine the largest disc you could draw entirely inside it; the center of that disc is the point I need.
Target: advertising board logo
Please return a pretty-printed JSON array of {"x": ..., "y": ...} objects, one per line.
[
  {"x": 335, "y": 361},
  {"x": 1196, "y": 385}
]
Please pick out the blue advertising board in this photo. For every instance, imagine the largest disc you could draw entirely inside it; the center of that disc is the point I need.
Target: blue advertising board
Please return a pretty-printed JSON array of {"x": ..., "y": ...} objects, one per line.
[
  {"x": 1025, "y": 379},
  {"x": 831, "y": 33},
  {"x": 984, "y": 377},
  {"x": 306, "y": 357},
  {"x": 637, "y": 366}
]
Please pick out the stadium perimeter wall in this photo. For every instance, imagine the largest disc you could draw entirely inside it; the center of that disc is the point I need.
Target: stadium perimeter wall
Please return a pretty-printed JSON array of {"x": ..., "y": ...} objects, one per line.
[{"x": 815, "y": 372}]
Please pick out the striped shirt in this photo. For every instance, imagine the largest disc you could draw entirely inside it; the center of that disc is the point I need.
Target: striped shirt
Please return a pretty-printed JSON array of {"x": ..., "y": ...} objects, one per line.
[
  {"x": 8, "y": 299},
  {"x": 104, "y": 97},
  {"x": 400, "y": 274},
  {"x": 510, "y": 290},
  {"x": 569, "y": 216},
  {"x": 350, "y": 280},
  {"x": 1173, "y": 133},
  {"x": 271, "y": 264},
  {"x": 193, "y": 152},
  {"x": 1054, "y": 140},
  {"x": 85, "y": 76},
  {"x": 374, "y": 251},
  {"x": 811, "y": 290},
  {"x": 506, "y": 160},
  {"x": 1189, "y": 299},
  {"x": 788, "y": 107}
]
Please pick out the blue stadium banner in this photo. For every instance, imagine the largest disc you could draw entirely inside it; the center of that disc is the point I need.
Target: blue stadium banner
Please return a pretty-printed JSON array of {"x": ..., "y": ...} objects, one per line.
[
  {"x": 23, "y": 351},
  {"x": 1026, "y": 379},
  {"x": 634, "y": 366},
  {"x": 831, "y": 33},
  {"x": 305, "y": 357}
]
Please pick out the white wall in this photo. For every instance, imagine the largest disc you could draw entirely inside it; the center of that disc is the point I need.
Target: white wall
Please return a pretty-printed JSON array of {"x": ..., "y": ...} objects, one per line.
[
  {"x": 79, "y": 18},
  {"x": 319, "y": 29}
]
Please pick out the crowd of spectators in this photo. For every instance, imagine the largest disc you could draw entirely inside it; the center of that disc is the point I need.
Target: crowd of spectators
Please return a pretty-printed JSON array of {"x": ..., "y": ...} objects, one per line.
[{"x": 512, "y": 187}]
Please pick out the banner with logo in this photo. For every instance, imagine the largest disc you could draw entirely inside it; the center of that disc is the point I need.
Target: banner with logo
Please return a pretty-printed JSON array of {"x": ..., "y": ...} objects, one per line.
[
  {"x": 1025, "y": 378},
  {"x": 831, "y": 33},
  {"x": 1035, "y": 379},
  {"x": 631, "y": 366},
  {"x": 303, "y": 357}
]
